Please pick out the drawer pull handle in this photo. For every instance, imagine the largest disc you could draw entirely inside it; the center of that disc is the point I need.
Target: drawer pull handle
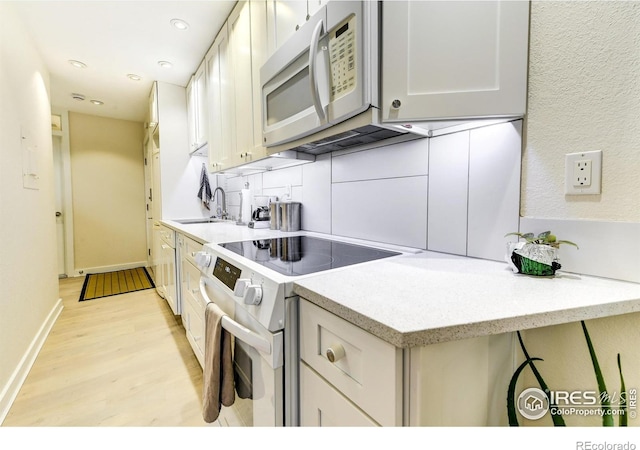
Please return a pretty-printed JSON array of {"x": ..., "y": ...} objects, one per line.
[{"x": 335, "y": 352}]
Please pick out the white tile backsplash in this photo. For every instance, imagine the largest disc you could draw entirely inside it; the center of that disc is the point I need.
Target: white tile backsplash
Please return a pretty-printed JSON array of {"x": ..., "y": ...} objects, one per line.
[
  {"x": 606, "y": 249},
  {"x": 291, "y": 176},
  {"x": 494, "y": 188},
  {"x": 388, "y": 194},
  {"x": 399, "y": 160},
  {"x": 392, "y": 210},
  {"x": 448, "y": 189},
  {"x": 316, "y": 195}
]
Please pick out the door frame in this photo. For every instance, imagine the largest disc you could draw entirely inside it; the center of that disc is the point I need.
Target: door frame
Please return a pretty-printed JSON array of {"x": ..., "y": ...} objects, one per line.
[{"x": 67, "y": 197}]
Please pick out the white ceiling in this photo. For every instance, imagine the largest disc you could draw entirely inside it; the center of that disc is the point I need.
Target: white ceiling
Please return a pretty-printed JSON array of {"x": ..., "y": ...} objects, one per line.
[{"x": 115, "y": 38}]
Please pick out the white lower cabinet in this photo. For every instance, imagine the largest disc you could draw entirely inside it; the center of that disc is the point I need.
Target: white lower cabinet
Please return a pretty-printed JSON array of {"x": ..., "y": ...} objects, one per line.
[
  {"x": 168, "y": 268},
  {"x": 363, "y": 371},
  {"x": 193, "y": 304},
  {"x": 371, "y": 382},
  {"x": 325, "y": 406}
]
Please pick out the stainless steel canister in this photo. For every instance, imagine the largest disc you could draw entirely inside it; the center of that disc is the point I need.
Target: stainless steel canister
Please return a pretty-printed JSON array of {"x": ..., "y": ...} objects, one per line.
[
  {"x": 290, "y": 216},
  {"x": 274, "y": 216}
]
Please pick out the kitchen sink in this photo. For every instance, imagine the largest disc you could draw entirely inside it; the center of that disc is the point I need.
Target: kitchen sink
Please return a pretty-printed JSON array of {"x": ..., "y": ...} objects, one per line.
[{"x": 200, "y": 220}]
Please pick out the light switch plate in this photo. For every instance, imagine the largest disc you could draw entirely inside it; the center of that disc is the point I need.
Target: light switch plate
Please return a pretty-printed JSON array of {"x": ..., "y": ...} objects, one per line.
[{"x": 583, "y": 173}]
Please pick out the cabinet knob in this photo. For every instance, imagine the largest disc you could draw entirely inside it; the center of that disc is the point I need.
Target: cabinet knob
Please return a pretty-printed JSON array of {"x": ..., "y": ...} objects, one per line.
[
  {"x": 396, "y": 104},
  {"x": 335, "y": 352}
]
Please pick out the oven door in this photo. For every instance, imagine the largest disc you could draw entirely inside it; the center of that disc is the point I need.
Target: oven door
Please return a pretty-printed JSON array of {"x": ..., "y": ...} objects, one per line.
[{"x": 258, "y": 363}]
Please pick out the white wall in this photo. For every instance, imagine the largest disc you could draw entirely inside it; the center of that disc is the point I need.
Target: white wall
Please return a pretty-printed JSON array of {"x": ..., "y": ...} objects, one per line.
[
  {"x": 403, "y": 194},
  {"x": 584, "y": 94},
  {"x": 107, "y": 177},
  {"x": 180, "y": 172},
  {"x": 28, "y": 260}
]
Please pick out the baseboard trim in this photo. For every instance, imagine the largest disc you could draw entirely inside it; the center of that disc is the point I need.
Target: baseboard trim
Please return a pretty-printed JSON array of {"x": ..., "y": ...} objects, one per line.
[
  {"x": 104, "y": 269},
  {"x": 11, "y": 389}
]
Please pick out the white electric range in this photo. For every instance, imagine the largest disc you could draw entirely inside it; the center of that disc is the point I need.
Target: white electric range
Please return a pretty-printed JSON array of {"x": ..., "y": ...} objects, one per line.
[{"x": 252, "y": 281}]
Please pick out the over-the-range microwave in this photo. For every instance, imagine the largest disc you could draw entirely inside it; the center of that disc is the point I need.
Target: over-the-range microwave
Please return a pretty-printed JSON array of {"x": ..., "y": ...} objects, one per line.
[{"x": 320, "y": 89}]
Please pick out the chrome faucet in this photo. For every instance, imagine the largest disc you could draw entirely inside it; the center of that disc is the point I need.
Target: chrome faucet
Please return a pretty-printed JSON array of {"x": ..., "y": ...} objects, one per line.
[{"x": 221, "y": 211}]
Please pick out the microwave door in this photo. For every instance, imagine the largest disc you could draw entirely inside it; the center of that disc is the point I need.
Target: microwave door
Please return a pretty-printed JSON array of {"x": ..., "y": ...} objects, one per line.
[{"x": 289, "y": 110}]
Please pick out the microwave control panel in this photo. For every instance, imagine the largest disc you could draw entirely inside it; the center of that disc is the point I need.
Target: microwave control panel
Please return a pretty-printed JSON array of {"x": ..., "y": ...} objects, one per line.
[{"x": 342, "y": 57}]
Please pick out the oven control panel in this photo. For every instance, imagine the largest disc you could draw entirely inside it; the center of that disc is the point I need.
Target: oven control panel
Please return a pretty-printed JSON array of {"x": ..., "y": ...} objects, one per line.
[{"x": 226, "y": 272}]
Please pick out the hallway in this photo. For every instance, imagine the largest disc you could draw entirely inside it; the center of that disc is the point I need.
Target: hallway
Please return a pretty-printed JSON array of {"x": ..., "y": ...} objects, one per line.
[{"x": 116, "y": 361}]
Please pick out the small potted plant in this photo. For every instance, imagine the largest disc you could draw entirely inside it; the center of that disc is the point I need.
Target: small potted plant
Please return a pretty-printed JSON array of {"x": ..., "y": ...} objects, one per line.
[{"x": 535, "y": 255}]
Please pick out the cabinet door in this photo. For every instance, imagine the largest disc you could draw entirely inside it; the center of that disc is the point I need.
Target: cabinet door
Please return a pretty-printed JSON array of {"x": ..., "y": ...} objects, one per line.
[
  {"x": 289, "y": 16},
  {"x": 314, "y": 5},
  {"x": 321, "y": 405},
  {"x": 450, "y": 60},
  {"x": 200, "y": 94},
  {"x": 169, "y": 277},
  {"x": 191, "y": 114},
  {"x": 239, "y": 28},
  {"x": 259, "y": 55},
  {"x": 221, "y": 112},
  {"x": 153, "y": 106}
]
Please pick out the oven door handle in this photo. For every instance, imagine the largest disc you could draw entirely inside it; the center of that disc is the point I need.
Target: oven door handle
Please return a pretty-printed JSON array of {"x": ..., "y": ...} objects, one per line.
[{"x": 240, "y": 332}]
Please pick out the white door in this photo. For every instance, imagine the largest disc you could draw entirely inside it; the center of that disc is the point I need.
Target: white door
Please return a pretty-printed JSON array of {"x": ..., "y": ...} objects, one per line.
[{"x": 59, "y": 196}]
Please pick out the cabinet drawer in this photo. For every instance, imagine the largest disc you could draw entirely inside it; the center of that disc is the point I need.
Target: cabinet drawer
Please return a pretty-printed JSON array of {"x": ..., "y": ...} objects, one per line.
[
  {"x": 168, "y": 236},
  {"x": 194, "y": 326},
  {"x": 191, "y": 285},
  {"x": 366, "y": 369},
  {"x": 321, "y": 405},
  {"x": 190, "y": 248}
]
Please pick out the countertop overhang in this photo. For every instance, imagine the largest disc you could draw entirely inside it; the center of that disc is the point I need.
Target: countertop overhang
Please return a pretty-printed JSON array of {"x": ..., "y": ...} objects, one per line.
[{"x": 414, "y": 300}]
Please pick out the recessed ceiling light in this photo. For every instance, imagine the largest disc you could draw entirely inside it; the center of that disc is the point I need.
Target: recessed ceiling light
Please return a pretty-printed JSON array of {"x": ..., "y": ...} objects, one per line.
[
  {"x": 134, "y": 77},
  {"x": 165, "y": 64},
  {"x": 97, "y": 102},
  {"x": 77, "y": 64},
  {"x": 78, "y": 97},
  {"x": 179, "y": 24}
]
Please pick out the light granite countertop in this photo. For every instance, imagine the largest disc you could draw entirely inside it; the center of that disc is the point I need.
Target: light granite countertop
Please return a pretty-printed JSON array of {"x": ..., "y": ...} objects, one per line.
[
  {"x": 414, "y": 300},
  {"x": 425, "y": 298},
  {"x": 226, "y": 231}
]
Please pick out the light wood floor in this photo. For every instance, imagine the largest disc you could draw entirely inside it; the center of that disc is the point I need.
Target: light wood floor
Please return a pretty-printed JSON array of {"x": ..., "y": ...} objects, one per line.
[{"x": 115, "y": 361}]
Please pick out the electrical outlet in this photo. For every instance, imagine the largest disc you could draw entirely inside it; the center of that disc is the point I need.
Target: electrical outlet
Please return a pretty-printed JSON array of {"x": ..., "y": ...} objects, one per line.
[{"x": 583, "y": 173}]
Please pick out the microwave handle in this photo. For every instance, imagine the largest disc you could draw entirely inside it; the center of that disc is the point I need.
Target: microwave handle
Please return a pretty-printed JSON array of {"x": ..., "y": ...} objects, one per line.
[{"x": 315, "y": 91}]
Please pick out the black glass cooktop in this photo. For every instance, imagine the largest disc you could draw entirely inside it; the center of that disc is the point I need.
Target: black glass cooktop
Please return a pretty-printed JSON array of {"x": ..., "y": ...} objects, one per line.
[{"x": 303, "y": 255}]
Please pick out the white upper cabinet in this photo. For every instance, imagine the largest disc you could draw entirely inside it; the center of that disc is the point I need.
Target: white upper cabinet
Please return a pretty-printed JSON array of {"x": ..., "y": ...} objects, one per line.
[
  {"x": 153, "y": 107},
  {"x": 220, "y": 101},
  {"x": 287, "y": 16},
  {"x": 199, "y": 81},
  {"x": 259, "y": 55},
  {"x": 197, "y": 109},
  {"x": 454, "y": 60},
  {"x": 191, "y": 114},
  {"x": 233, "y": 81},
  {"x": 247, "y": 31}
]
